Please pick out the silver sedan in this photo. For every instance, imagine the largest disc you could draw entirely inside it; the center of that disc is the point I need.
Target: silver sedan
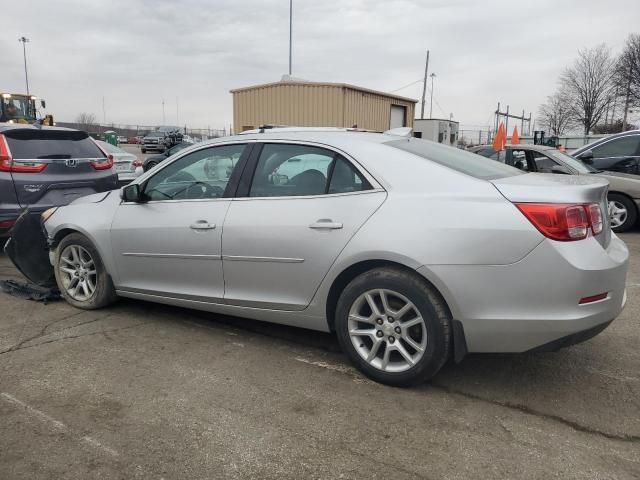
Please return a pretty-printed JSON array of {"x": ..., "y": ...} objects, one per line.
[{"x": 410, "y": 251}]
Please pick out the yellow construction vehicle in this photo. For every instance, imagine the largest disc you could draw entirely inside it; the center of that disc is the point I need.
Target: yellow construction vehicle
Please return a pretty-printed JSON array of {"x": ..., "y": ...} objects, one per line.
[{"x": 20, "y": 108}]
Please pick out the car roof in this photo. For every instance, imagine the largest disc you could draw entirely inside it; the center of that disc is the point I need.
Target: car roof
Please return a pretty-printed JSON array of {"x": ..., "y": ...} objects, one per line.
[
  {"x": 597, "y": 141},
  {"x": 519, "y": 146},
  {"x": 338, "y": 137},
  {"x": 22, "y": 126}
]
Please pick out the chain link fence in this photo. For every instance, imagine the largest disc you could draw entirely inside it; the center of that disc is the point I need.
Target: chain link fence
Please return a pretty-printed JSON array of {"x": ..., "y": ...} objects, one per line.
[{"x": 198, "y": 134}]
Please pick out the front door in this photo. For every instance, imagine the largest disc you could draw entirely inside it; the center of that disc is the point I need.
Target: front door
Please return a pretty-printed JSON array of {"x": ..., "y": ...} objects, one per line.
[
  {"x": 303, "y": 206},
  {"x": 170, "y": 245}
]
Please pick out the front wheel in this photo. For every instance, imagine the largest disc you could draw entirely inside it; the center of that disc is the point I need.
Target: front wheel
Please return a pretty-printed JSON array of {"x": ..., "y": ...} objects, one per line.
[
  {"x": 622, "y": 212},
  {"x": 150, "y": 165},
  {"x": 393, "y": 326},
  {"x": 80, "y": 274}
]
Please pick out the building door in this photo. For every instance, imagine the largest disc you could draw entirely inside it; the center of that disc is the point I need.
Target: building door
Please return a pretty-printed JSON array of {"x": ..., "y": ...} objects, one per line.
[{"x": 398, "y": 116}]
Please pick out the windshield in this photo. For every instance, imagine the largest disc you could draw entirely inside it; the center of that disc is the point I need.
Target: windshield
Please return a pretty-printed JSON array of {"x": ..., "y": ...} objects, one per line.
[
  {"x": 570, "y": 161},
  {"x": 17, "y": 107},
  {"x": 456, "y": 159}
]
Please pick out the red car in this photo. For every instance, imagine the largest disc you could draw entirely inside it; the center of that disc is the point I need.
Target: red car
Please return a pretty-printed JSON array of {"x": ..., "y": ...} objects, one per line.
[{"x": 133, "y": 140}]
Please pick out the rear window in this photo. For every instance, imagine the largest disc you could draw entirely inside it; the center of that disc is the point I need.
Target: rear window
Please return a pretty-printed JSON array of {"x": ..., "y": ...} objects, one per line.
[
  {"x": 31, "y": 144},
  {"x": 456, "y": 159}
]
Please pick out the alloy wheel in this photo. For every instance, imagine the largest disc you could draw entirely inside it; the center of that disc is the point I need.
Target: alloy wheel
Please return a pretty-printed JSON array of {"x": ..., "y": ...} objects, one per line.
[
  {"x": 387, "y": 330},
  {"x": 617, "y": 213},
  {"x": 78, "y": 273}
]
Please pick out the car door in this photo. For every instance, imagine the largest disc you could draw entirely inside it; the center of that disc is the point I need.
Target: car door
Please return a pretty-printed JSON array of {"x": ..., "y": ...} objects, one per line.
[
  {"x": 170, "y": 244},
  {"x": 621, "y": 154},
  {"x": 301, "y": 206}
]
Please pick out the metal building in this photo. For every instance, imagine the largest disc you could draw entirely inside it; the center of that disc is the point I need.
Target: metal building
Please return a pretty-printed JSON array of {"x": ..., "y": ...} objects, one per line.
[
  {"x": 437, "y": 130},
  {"x": 317, "y": 104}
]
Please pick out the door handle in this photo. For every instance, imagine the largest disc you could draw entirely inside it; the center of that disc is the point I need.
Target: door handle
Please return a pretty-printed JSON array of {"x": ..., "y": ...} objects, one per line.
[
  {"x": 202, "y": 225},
  {"x": 325, "y": 224}
]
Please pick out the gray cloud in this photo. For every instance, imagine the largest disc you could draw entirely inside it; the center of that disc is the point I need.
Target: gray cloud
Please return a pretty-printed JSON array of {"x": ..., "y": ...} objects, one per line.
[{"x": 135, "y": 53}]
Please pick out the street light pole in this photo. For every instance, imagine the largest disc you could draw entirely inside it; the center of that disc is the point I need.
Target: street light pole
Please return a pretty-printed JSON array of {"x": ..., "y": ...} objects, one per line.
[
  {"x": 424, "y": 85},
  {"x": 290, "y": 32},
  {"x": 24, "y": 41},
  {"x": 431, "y": 105}
]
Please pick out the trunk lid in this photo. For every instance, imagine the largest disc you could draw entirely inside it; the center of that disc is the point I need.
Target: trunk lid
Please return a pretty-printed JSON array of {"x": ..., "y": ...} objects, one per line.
[
  {"x": 68, "y": 173},
  {"x": 555, "y": 188}
]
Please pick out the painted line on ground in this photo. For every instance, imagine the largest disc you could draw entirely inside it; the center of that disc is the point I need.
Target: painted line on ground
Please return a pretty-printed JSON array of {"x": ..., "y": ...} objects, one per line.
[{"x": 58, "y": 425}]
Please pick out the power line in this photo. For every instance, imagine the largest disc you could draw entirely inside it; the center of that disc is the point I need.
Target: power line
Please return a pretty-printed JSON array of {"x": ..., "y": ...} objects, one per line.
[{"x": 406, "y": 86}]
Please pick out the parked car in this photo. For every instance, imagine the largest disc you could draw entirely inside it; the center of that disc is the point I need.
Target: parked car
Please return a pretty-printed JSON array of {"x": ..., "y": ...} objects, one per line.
[
  {"x": 133, "y": 140},
  {"x": 410, "y": 251},
  {"x": 616, "y": 153},
  {"x": 624, "y": 189},
  {"x": 122, "y": 139},
  {"x": 161, "y": 139},
  {"x": 43, "y": 167},
  {"x": 127, "y": 165},
  {"x": 154, "y": 160}
]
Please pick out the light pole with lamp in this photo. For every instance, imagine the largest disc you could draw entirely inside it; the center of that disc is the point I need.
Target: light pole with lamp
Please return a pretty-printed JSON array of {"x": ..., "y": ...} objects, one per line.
[{"x": 431, "y": 103}]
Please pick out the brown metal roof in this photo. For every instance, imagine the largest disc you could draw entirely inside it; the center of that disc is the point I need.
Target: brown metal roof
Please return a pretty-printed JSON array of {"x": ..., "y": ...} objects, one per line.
[{"x": 323, "y": 84}]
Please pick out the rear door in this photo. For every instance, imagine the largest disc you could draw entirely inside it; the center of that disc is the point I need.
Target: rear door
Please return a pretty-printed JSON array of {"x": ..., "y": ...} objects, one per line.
[
  {"x": 303, "y": 205},
  {"x": 54, "y": 167}
]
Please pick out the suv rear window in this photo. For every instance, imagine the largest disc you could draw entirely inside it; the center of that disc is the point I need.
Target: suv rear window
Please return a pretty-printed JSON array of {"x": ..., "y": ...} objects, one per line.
[
  {"x": 31, "y": 144},
  {"x": 456, "y": 159}
]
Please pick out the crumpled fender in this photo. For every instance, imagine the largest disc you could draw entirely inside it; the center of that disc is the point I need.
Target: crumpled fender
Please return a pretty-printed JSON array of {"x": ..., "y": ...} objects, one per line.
[{"x": 28, "y": 250}]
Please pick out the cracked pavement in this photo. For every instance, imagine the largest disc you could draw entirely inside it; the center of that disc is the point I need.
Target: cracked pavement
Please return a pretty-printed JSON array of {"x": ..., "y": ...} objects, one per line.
[{"x": 148, "y": 391}]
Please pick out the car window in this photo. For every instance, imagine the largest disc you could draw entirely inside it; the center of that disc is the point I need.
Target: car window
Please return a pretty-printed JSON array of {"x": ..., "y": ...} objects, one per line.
[
  {"x": 54, "y": 144},
  {"x": 519, "y": 160},
  {"x": 455, "y": 159},
  {"x": 291, "y": 170},
  {"x": 543, "y": 163},
  {"x": 344, "y": 178},
  {"x": 203, "y": 174},
  {"x": 620, "y": 147}
]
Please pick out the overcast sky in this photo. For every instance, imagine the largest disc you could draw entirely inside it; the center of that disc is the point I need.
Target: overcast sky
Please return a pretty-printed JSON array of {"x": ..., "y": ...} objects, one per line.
[{"x": 137, "y": 52}]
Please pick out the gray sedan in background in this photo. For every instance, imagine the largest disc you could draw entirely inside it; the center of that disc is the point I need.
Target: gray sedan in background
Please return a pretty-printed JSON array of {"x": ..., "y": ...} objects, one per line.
[
  {"x": 624, "y": 188},
  {"x": 410, "y": 251}
]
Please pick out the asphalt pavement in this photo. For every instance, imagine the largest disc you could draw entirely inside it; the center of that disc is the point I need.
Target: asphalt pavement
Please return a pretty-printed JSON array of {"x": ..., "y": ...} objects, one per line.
[{"x": 140, "y": 390}]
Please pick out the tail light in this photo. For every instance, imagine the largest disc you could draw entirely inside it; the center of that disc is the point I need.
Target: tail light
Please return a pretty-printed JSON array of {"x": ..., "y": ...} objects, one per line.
[
  {"x": 8, "y": 164},
  {"x": 7, "y": 223},
  {"x": 137, "y": 162},
  {"x": 103, "y": 164},
  {"x": 564, "y": 222}
]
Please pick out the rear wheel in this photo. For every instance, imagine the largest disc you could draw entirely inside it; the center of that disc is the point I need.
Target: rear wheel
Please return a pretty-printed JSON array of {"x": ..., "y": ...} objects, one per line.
[
  {"x": 622, "y": 212},
  {"x": 80, "y": 274},
  {"x": 150, "y": 165},
  {"x": 393, "y": 326}
]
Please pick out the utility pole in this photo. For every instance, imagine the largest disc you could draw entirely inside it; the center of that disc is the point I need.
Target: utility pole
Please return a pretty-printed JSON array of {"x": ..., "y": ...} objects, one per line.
[
  {"x": 104, "y": 113},
  {"x": 163, "y": 121},
  {"x": 178, "y": 117},
  {"x": 24, "y": 41},
  {"x": 626, "y": 102},
  {"x": 290, "y": 32},
  {"x": 431, "y": 106},
  {"x": 424, "y": 86}
]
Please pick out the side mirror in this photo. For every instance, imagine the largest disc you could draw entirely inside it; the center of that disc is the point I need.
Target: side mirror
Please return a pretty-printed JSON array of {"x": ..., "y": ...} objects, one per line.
[
  {"x": 587, "y": 157},
  {"x": 43, "y": 104},
  {"x": 560, "y": 169},
  {"x": 131, "y": 193}
]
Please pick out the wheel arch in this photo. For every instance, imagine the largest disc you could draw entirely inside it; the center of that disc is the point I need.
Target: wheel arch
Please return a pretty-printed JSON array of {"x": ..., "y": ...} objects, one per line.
[{"x": 358, "y": 268}]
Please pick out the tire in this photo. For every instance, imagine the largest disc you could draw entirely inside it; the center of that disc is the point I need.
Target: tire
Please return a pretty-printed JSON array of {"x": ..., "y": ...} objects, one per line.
[
  {"x": 102, "y": 294},
  {"x": 623, "y": 212},
  {"x": 433, "y": 334},
  {"x": 150, "y": 165}
]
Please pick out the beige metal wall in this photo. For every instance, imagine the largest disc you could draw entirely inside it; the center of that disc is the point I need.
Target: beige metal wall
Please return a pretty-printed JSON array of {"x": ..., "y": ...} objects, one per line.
[
  {"x": 372, "y": 111},
  {"x": 314, "y": 105}
]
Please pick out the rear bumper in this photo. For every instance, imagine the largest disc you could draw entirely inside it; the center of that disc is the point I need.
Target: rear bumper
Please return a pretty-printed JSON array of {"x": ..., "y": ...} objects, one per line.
[{"x": 534, "y": 302}]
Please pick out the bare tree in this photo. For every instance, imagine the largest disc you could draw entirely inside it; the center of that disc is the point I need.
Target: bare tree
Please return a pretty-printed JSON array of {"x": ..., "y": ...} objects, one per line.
[
  {"x": 589, "y": 85},
  {"x": 628, "y": 74},
  {"x": 86, "y": 121},
  {"x": 556, "y": 114}
]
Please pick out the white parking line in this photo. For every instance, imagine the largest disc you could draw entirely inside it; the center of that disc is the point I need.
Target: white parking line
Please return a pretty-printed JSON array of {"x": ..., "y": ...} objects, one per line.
[{"x": 57, "y": 424}]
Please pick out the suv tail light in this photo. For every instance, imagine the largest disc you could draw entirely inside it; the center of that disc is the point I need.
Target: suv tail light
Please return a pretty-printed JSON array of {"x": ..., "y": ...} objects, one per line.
[
  {"x": 564, "y": 222},
  {"x": 8, "y": 164},
  {"x": 103, "y": 164}
]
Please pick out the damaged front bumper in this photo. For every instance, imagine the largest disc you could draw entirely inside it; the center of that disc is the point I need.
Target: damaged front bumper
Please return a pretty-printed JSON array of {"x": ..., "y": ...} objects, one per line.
[{"x": 28, "y": 249}]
